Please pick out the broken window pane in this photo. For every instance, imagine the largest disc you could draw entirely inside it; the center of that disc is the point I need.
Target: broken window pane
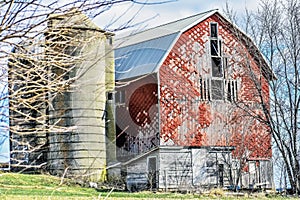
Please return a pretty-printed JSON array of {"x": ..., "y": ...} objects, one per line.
[
  {"x": 216, "y": 66},
  {"x": 214, "y": 49}
]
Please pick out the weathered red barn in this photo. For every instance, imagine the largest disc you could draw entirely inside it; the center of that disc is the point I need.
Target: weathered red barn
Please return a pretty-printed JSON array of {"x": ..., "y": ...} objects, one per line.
[{"x": 180, "y": 87}]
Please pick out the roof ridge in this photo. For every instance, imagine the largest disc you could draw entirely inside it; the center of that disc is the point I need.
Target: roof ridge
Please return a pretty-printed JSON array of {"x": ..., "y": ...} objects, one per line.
[
  {"x": 183, "y": 18},
  {"x": 168, "y": 23}
]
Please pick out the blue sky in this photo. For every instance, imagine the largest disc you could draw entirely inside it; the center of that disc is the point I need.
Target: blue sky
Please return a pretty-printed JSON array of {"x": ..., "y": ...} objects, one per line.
[{"x": 163, "y": 13}]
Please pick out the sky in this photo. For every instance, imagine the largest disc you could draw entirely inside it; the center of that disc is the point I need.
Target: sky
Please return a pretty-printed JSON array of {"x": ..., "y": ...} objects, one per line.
[{"x": 164, "y": 13}]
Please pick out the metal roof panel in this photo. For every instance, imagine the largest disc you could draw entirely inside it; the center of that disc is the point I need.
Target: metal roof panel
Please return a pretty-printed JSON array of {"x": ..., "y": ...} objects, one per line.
[
  {"x": 163, "y": 30},
  {"x": 142, "y": 58}
]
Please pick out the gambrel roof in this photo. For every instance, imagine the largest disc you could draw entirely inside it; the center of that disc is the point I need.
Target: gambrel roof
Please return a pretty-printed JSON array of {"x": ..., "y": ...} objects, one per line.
[{"x": 143, "y": 53}]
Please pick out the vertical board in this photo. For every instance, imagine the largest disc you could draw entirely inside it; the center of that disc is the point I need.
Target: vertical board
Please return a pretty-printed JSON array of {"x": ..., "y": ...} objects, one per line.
[{"x": 175, "y": 171}]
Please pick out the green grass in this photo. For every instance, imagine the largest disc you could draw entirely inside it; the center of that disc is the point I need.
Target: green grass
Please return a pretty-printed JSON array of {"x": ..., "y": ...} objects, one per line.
[{"x": 40, "y": 187}]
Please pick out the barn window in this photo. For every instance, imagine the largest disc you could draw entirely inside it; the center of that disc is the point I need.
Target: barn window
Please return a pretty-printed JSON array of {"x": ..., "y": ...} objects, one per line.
[
  {"x": 204, "y": 89},
  {"x": 120, "y": 96},
  {"x": 214, "y": 48},
  {"x": 231, "y": 90},
  {"x": 213, "y": 30},
  {"x": 109, "y": 40},
  {"x": 215, "y": 51},
  {"x": 225, "y": 63},
  {"x": 217, "y": 69},
  {"x": 218, "y": 86},
  {"x": 217, "y": 90},
  {"x": 109, "y": 96}
]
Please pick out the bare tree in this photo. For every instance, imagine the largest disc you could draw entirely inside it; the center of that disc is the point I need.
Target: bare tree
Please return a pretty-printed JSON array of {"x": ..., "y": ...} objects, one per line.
[
  {"x": 275, "y": 29},
  {"x": 48, "y": 53}
]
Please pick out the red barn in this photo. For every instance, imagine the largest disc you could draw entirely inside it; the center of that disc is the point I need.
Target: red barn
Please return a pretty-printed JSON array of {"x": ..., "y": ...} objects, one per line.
[{"x": 180, "y": 89}]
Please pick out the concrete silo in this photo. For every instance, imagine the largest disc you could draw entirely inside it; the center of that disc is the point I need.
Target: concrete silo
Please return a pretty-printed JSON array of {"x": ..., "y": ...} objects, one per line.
[{"x": 81, "y": 82}]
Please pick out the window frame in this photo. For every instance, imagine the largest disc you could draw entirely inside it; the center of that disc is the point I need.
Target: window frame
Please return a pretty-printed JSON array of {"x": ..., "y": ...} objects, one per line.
[
  {"x": 213, "y": 92},
  {"x": 120, "y": 97},
  {"x": 216, "y": 30}
]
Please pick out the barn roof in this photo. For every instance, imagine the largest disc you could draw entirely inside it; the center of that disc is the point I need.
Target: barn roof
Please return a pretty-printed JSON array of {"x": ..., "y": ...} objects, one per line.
[
  {"x": 142, "y": 58},
  {"x": 142, "y": 53}
]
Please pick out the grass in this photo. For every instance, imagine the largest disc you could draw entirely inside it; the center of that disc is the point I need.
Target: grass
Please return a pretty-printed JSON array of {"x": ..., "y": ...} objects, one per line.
[
  {"x": 40, "y": 187},
  {"x": 12, "y": 184}
]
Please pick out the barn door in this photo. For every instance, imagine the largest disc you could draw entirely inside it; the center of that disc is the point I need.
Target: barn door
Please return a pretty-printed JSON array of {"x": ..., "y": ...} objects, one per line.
[
  {"x": 221, "y": 175},
  {"x": 152, "y": 172}
]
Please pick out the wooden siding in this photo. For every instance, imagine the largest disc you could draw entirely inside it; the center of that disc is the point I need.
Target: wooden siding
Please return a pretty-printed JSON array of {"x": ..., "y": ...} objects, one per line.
[
  {"x": 175, "y": 169},
  {"x": 192, "y": 168},
  {"x": 212, "y": 167},
  {"x": 138, "y": 172},
  {"x": 188, "y": 117},
  {"x": 221, "y": 137}
]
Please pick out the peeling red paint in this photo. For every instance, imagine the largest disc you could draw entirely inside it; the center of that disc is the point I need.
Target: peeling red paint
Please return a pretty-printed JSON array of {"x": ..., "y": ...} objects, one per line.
[
  {"x": 198, "y": 121},
  {"x": 186, "y": 118},
  {"x": 204, "y": 117},
  {"x": 199, "y": 139}
]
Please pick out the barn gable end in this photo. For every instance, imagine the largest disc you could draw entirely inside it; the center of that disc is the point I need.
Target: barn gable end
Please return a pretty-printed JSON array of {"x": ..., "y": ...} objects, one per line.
[{"x": 201, "y": 76}]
